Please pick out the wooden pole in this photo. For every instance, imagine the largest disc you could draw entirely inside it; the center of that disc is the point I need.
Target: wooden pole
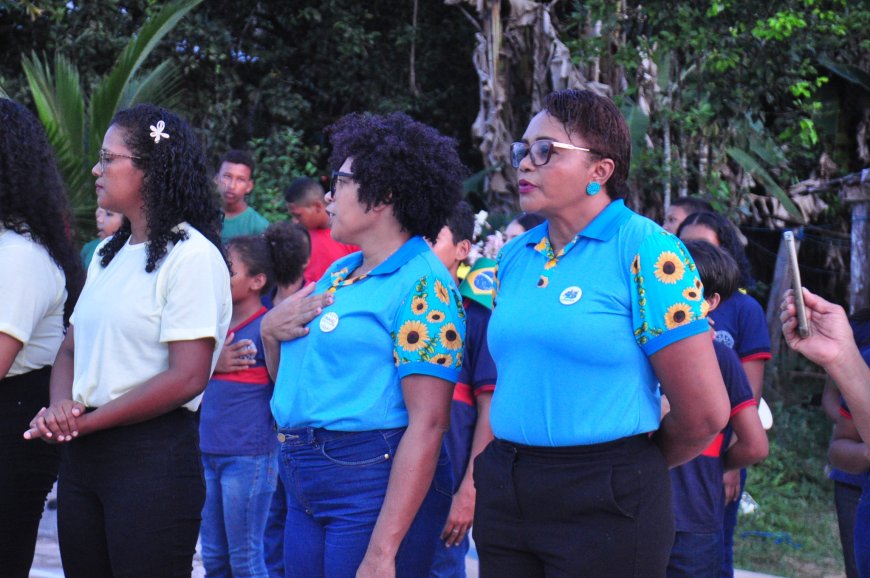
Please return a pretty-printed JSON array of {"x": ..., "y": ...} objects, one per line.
[{"x": 857, "y": 194}]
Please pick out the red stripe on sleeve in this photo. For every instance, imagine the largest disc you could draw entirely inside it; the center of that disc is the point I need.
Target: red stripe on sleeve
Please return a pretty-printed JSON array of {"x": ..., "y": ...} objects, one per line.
[
  {"x": 714, "y": 450},
  {"x": 462, "y": 393},
  {"x": 741, "y": 406}
]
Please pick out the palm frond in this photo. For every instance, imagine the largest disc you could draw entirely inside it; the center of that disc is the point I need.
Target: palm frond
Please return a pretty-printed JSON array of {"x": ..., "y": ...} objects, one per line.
[
  {"x": 753, "y": 167},
  {"x": 108, "y": 94},
  {"x": 163, "y": 85}
]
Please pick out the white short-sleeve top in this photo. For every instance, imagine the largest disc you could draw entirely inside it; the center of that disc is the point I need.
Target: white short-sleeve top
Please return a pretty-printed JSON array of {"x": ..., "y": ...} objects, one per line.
[
  {"x": 32, "y": 295},
  {"x": 125, "y": 318}
]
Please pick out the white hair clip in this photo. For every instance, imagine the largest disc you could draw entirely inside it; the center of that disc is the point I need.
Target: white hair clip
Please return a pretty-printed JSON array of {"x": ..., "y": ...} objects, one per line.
[{"x": 157, "y": 131}]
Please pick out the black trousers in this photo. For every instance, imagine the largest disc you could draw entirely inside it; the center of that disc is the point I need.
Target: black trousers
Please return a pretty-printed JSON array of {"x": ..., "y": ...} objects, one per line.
[
  {"x": 130, "y": 500},
  {"x": 27, "y": 470},
  {"x": 598, "y": 510}
]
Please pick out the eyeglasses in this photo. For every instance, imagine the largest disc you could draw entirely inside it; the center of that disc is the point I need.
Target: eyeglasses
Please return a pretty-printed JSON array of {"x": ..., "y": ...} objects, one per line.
[
  {"x": 106, "y": 156},
  {"x": 540, "y": 151},
  {"x": 334, "y": 181}
]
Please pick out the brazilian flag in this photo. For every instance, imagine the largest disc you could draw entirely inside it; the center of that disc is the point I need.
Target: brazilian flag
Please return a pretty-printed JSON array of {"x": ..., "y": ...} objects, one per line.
[{"x": 480, "y": 282}]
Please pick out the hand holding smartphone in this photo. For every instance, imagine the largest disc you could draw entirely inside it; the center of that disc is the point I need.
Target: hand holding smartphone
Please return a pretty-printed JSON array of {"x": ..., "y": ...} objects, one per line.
[{"x": 803, "y": 328}]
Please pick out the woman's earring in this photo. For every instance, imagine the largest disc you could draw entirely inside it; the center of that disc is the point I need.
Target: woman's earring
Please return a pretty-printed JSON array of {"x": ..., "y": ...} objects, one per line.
[{"x": 593, "y": 188}]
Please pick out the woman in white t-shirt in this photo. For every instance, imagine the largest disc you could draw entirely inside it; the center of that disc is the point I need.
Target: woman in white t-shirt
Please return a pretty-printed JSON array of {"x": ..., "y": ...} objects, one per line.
[
  {"x": 143, "y": 341},
  {"x": 40, "y": 278}
]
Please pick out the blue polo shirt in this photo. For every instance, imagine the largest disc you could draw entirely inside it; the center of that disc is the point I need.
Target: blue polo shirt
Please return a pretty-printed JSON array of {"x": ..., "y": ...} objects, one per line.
[
  {"x": 571, "y": 334},
  {"x": 404, "y": 318}
]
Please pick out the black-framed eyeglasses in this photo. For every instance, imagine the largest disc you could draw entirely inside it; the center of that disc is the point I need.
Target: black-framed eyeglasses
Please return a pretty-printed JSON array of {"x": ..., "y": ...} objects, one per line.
[
  {"x": 107, "y": 156},
  {"x": 334, "y": 181},
  {"x": 540, "y": 151}
]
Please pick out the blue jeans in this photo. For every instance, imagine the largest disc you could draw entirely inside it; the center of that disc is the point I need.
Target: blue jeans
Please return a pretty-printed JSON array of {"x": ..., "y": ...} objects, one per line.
[
  {"x": 238, "y": 492},
  {"x": 696, "y": 555},
  {"x": 449, "y": 562},
  {"x": 336, "y": 483},
  {"x": 273, "y": 538},
  {"x": 862, "y": 533}
]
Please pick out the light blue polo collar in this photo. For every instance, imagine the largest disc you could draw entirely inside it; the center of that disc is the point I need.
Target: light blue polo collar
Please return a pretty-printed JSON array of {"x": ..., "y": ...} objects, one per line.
[
  {"x": 410, "y": 249},
  {"x": 603, "y": 227}
]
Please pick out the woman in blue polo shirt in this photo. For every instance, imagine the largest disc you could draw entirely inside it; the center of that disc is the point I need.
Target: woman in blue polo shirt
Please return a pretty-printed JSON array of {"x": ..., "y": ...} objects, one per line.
[
  {"x": 593, "y": 309},
  {"x": 362, "y": 398}
]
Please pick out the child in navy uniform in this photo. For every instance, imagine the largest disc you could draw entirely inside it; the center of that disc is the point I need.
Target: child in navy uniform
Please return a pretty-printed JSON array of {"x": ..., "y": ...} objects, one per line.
[
  {"x": 469, "y": 431},
  {"x": 698, "y": 491},
  {"x": 239, "y": 448}
]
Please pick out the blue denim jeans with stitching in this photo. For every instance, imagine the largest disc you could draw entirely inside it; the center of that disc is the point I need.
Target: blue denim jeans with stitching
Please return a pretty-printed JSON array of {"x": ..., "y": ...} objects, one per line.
[
  {"x": 336, "y": 483},
  {"x": 450, "y": 562},
  {"x": 238, "y": 495}
]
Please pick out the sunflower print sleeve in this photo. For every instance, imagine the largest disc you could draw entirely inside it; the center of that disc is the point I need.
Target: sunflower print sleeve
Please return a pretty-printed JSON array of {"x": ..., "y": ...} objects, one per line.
[
  {"x": 667, "y": 295},
  {"x": 429, "y": 330}
]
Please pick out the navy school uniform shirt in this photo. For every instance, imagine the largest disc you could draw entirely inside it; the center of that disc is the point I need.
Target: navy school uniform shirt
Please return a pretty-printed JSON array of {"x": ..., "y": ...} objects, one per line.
[
  {"x": 740, "y": 323},
  {"x": 477, "y": 376},
  {"x": 235, "y": 418},
  {"x": 698, "y": 491}
]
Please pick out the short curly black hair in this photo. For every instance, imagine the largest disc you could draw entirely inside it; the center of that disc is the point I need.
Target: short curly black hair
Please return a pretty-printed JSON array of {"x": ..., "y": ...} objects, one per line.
[
  {"x": 401, "y": 162},
  {"x": 290, "y": 248},
  {"x": 33, "y": 200},
  {"x": 175, "y": 187},
  {"x": 716, "y": 267},
  {"x": 304, "y": 191},
  {"x": 598, "y": 120},
  {"x": 461, "y": 223},
  {"x": 726, "y": 232},
  {"x": 238, "y": 157}
]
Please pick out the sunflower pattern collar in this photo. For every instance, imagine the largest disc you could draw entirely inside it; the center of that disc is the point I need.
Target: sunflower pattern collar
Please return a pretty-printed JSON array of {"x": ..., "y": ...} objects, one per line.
[
  {"x": 545, "y": 248},
  {"x": 339, "y": 279}
]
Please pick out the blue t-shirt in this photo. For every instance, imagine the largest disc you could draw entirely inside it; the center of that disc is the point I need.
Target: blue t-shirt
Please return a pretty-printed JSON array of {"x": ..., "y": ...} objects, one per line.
[
  {"x": 698, "y": 490},
  {"x": 740, "y": 323},
  {"x": 476, "y": 376},
  {"x": 404, "y": 318},
  {"x": 571, "y": 333},
  {"x": 235, "y": 418}
]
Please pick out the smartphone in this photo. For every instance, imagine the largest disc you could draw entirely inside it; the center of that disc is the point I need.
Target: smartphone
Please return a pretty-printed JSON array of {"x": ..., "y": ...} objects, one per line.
[{"x": 803, "y": 328}]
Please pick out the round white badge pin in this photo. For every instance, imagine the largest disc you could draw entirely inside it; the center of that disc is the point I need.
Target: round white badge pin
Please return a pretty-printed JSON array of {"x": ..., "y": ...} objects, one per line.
[
  {"x": 571, "y": 295},
  {"x": 329, "y": 322}
]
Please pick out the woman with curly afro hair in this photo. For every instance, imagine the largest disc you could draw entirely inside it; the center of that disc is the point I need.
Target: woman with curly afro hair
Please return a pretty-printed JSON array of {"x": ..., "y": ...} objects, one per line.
[
  {"x": 143, "y": 341},
  {"x": 40, "y": 279},
  {"x": 362, "y": 392}
]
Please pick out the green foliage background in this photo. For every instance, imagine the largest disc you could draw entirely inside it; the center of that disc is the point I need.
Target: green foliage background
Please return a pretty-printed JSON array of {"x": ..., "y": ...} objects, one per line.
[{"x": 759, "y": 87}]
